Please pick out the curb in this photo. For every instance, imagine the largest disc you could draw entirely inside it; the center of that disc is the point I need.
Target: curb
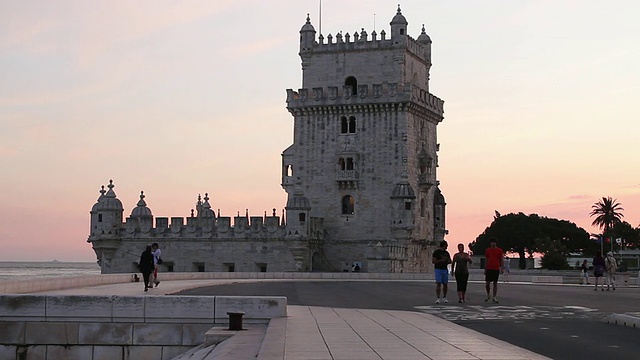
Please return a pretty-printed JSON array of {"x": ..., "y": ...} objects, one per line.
[{"x": 624, "y": 320}]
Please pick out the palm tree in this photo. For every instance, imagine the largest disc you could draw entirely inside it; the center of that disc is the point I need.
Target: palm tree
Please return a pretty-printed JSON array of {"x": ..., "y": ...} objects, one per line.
[{"x": 607, "y": 213}]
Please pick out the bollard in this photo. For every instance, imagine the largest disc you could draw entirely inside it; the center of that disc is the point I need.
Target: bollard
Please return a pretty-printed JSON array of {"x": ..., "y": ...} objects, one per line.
[{"x": 235, "y": 320}]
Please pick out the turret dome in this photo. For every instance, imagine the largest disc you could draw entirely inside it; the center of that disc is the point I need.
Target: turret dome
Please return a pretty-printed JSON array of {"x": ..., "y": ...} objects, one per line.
[
  {"x": 399, "y": 19},
  {"x": 424, "y": 38},
  {"x": 403, "y": 190},
  {"x": 141, "y": 210},
  {"x": 298, "y": 201},
  {"x": 307, "y": 27},
  {"x": 206, "y": 207},
  {"x": 108, "y": 200}
]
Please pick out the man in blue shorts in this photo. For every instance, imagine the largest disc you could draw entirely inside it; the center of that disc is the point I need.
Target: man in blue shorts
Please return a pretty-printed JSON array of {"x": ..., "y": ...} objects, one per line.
[{"x": 440, "y": 260}]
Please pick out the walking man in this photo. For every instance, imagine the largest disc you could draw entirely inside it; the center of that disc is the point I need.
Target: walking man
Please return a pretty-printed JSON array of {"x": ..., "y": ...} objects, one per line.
[
  {"x": 146, "y": 267},
  {"x": 440, "y": 260},
  {"x": 492, "y": 268}
]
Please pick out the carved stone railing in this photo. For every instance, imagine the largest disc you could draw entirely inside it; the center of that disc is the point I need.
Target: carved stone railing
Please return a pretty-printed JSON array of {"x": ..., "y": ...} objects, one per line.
[{"x": 346, "y": 175}]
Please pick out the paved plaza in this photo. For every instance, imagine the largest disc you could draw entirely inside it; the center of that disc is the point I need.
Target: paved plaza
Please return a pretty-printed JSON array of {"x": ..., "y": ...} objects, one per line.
[
  {"x": 398, "y": 319},
  {"x": 319, "y": 333}
]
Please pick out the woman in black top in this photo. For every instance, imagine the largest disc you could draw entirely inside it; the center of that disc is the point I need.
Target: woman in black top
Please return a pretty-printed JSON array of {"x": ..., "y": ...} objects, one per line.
[
  {"x": 598, "y": 269},
  {"x": 146, "y": 266},
  {"x": 460, "y": 270}
]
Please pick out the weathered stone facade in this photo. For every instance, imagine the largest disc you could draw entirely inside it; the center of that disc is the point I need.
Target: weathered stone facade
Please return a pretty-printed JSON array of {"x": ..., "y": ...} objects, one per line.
[{"x": 360, "y": 174}]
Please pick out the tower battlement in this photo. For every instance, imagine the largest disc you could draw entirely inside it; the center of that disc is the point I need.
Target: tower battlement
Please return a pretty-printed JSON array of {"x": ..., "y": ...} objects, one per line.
[
  {"x": 365, "y": 94},
  {"x": 202, "y": 223},
  {"x": 223, "y": 227},
  {"x": 310, "y": 44},
  {"x": 361, "y": 41}
]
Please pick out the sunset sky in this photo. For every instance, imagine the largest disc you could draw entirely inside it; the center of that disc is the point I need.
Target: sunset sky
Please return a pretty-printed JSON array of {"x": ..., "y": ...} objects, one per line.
[{"x": 182, "y": 98}]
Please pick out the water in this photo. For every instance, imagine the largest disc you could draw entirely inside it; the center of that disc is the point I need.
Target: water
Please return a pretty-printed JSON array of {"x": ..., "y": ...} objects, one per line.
[{"x": 21, "y": 270}]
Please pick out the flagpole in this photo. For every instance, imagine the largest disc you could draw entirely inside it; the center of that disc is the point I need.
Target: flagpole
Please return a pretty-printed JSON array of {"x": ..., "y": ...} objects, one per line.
[
  {"x": 320, "y": 18},
  {"x": 612, "y": 240}
]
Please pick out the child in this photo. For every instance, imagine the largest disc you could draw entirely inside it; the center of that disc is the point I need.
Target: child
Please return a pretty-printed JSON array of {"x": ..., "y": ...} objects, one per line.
[{"x": 585, "y": 273}]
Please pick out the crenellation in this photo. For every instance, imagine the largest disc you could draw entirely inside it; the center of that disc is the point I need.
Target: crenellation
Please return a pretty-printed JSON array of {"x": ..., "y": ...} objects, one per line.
[
  {"x": 241, "y": 224},
  {"x": 162, "y": 223},
  {"x": 256, "y": 224},
  {"x": 191, "y": 221},
  {"x": 333, "y": 95},
  {"x": 361, "y": 42},
  {"x": 176, "y": 224},
  {"x": 224, "y": 224}
]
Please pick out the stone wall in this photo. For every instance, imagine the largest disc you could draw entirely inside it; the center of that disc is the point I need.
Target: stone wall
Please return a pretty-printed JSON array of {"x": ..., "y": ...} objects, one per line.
[{"x": 119, "y": 327}]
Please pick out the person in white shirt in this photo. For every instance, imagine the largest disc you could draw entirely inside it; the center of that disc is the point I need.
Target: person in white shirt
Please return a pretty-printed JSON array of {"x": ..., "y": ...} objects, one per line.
[{"x": 157, "y": 259}]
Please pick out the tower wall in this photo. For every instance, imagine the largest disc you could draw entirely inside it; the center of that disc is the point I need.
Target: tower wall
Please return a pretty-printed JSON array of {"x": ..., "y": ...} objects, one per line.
[{"x": 383, "y": 86}]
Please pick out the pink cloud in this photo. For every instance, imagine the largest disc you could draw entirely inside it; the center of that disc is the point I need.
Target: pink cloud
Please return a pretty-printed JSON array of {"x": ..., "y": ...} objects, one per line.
[{"x": 7, "y": 151}]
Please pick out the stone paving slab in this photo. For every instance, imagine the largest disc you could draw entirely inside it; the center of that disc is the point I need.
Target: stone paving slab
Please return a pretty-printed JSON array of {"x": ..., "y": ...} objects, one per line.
[{"x": 317, "y": 333}]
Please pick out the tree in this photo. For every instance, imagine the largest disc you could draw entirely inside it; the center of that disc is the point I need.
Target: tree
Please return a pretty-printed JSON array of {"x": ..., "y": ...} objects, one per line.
[
  {"x": 522, "y": 234},
  {"x": 607, "y": 214},
  {"x": 555, "y": 255},
  {"x": 630, "y": 236},
  {"x": 513, "y": 232}
]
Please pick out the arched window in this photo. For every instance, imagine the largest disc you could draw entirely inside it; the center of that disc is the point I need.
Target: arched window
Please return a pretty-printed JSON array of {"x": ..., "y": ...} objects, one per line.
[
  {"x": 352, "y": 125},
  {"x": 99, "y": 217},
  {"x": 289, "y": 170},
  {"x": 341, "y": 164},
  {"x": 302, "y": 217},
  {"x": 422, "y": 207},
  {"x": 344, "y": 125},
  {"x": 349, "y": 163},
  {"x": 351, "y": 81},
  {"x": 348, "y": 204}
]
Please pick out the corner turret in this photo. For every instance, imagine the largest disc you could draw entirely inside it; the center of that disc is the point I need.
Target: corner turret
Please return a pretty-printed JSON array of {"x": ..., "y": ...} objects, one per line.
[
  {"x": 425, "y": 41},
  {"x": 399, "y": 27},
  {"x": 106, "y": 213},
  {"x": 298, "y": 208},
  {"x": 439, "y": 211},
  {"x": 402, "y": 199},
  {"x": 307, "y": 36}
]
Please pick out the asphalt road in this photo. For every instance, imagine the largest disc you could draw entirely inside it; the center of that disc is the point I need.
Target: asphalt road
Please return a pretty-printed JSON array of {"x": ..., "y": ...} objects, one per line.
[{"x": 558, "y": 321}]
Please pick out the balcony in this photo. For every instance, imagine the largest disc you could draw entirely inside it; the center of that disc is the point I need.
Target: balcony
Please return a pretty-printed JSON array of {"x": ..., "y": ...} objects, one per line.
[
  {"x": 425, "y": 181},
  {"x": 347, "y": 179},
  {"x": 346, "y": 175}
]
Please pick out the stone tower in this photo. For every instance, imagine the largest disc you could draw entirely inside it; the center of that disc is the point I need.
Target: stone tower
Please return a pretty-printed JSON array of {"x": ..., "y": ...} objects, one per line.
[
  {"x": 364, "y": 152},
  {"x": 106, "y": 223}
]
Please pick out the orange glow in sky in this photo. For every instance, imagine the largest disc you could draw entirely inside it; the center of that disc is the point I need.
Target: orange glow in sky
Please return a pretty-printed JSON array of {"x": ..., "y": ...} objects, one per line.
[{"x": 182, "y": 98}]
